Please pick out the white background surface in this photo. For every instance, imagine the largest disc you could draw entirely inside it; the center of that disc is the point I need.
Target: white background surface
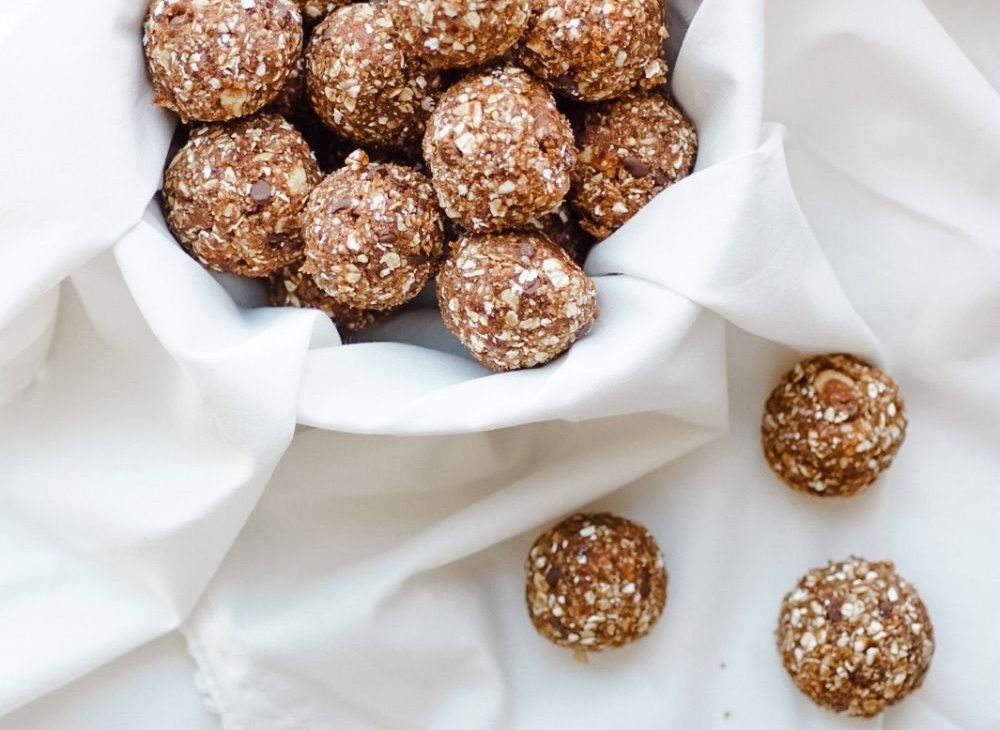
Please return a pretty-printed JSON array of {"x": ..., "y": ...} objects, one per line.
[{"x": 847, "y": 197}]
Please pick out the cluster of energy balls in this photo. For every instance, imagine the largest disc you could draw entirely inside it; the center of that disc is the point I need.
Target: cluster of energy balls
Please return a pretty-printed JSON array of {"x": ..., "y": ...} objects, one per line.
[{"x": 349, "y": 153}]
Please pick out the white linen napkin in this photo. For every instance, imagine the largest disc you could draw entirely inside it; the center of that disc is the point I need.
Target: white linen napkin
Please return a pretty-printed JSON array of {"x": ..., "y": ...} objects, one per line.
[{"x": 845, "y": 198}]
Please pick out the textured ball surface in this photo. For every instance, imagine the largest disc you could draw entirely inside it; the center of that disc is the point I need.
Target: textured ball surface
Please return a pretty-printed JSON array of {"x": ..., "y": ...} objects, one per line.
[
  {"x": 515, "y": 300},
  {"x": 220, "y": 60},
  {"x": 562, "y": 227},
  {"x": 362, "y": 84},
  {"x": 855, "y": 637},
  {"x": 593, "y": 50},
  {"x": 313, "y": 11},
  {"x": 373, "y": 234},
  {"x": 832, "y": 425},
  {"x": 459, "y": 33},
  {"x": 595, "y": 582},
  {"x": 234, "y": 192},
  {"x": 291, "y": 287},
  {"x": 631, "y": 149},
  {"x": 499, "y": 150}
]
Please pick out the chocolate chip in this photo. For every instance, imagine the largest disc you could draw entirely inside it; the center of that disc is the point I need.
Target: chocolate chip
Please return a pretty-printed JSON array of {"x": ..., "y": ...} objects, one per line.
[
  {"x": 277, "y": 240},
  {"x": 260, "y": 191},
  {"x": 559, "y": 627},
  {"x": 387, "y": 236},
  {"x": 341, "y": 204},
  {"x": 644, "y": 584},
  {"x": 885, "y": 609},
  {"x": 833, "y": 610},
  {"x": 553, "y": 577},
  {"x": 661, "y": 178},
  {"x": 636, "y": 166}
]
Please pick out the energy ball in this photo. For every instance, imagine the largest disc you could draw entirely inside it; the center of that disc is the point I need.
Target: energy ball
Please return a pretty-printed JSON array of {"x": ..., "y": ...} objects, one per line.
[
  {"x": 234, "y": 192},
  {"x": 855, "y": 637},
  {"x": 459, "y": 33},
  {"x": 832, "y": 425},
  {"x": 216, "y": 61},
  {"x": 291, "y": 287},
  {"x": 562, "y": 227},
  {"x": 630, "y": 150},
  {"x": 499, "y": 150},
  {"x": 373, "y": 234},
  {"x": 515, "y": 300},
  {"x": 362, "y": 84},
  {"x": 595, "y": 582},
  {"x": 591, "y": 50}
]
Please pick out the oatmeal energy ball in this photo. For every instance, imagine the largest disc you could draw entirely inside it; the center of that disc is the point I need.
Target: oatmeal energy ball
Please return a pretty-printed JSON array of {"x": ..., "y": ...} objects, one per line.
[
  {"x": 219, "y": 60},
  {"x": 630, "y": 150},
  {"x": 855, "y": 637},
  {"x": 291, "y": 287},
  {"x": 832, "y": 425},
  {"x": 595, "y": 582},
  {"x": 373, "y": 234},
  {"x": 516, "y": 300},
  {"x": 459, "y": 33},
  {"x": 595, "y": 49},
  {"x": 362, "y": 84},
  {"x": 499, "y": 151},
  {"x": 234, "y": 192}
]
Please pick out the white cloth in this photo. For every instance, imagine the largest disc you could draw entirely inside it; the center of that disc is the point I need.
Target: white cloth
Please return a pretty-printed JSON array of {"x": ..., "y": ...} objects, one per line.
[{"x": 846, "y": 198}]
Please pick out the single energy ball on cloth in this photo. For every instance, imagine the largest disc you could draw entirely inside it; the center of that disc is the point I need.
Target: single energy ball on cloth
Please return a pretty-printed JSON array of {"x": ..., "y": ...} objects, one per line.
[
  {"x": 593, "y": 50},
  {"x": 562, "y": 227},
  {"x": 459, "y": 33},
  {"x": 499, "y": 150},
  {"x": 630, "y": 150},
  {"x": 373, "y": 234},
  {"x": 362, "y": 84},
  {"x": 832, "y": 425},
  {"x": 595, "y": 582},
  {"x": 216, "y": 61},
  {"x": 855, "y": 637},
  {"x": 234, "y": 192},
  {"x": 515, "y": 300},
  {"x": 291, "y": 287}
]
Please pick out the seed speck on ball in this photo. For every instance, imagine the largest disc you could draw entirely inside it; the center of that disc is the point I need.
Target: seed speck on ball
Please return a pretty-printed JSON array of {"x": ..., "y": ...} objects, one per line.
[
  {"x": 234, "y": 192},
  {"x": 362, "y": 84},
  {"x": 855, "y": 637},
  {"x": 515, "y": 300},
  {"x": 459, "y": 33},
  {"x": 217, "y": 61},
  {"x": 631, "y": 149},
  {"x": 832, "y": 425},
  {"x": 499, "y": 150},
  {"x": 373, "y": 234},
  {"x": 595, "y": 582},
  {"x": 593, "y": 50}
]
